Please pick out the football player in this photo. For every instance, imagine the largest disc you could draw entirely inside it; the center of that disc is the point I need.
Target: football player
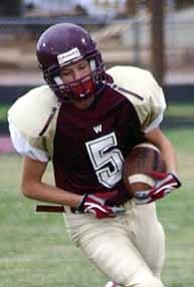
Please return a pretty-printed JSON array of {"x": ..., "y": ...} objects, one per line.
[{"x": 86, "y": 120}]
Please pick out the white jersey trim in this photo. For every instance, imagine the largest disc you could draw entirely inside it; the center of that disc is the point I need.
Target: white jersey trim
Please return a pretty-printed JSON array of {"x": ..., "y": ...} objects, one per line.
[{"x": 22, "y": 146}]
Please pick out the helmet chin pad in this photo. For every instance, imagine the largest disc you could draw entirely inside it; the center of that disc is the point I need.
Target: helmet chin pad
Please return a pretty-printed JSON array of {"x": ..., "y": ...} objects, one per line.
[{"x": 83, "y": 89}]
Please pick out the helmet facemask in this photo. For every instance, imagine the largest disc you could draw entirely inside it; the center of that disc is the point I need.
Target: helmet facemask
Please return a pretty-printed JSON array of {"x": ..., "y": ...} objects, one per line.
[{"x": 90, "y": 84}]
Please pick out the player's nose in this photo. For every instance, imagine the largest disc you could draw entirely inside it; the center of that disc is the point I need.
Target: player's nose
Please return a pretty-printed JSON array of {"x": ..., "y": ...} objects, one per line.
[{"x": 77, "y": 74}]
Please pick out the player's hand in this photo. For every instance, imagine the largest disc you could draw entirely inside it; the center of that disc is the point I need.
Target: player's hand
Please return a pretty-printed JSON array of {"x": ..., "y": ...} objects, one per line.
[
  {"x": 165, "y": 184},
  {"x": 96, "y": 205}
]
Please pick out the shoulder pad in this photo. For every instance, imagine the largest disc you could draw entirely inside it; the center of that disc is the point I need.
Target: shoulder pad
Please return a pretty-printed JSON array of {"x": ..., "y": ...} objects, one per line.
[
  {"x": 30, "y": 113},
  {"x": 141, "y": 89},
  {"x": 133, "y": 79}
]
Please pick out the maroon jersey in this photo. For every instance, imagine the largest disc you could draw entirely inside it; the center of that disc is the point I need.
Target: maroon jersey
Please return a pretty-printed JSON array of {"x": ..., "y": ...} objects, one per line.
[{"x": 90, "y": 145}]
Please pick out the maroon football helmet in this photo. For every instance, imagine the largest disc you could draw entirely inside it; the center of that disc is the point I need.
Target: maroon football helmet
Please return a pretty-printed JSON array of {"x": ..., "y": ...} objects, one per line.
[{"x": 64, "y": 44}]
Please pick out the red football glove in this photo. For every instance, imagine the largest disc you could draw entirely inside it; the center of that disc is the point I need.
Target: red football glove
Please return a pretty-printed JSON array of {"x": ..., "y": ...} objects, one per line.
[
  {"x": 96, "y": 205},
  {"x": 165, "y": 183}
]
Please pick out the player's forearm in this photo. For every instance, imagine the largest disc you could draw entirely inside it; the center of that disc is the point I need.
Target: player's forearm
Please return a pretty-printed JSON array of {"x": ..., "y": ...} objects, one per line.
[
  {"x": 158, "y": 138},
  {"x": 47, "y": 193},
  {"x": 169, "y": 156},
  {"x": 168, "y": 152}
]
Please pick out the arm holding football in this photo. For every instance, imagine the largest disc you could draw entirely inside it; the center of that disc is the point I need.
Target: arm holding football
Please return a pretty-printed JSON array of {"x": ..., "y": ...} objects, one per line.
[
  {"x": 159, "y": 139},
  {"x": 145, "y": 175},
  {"x": 165, "y": 183}
]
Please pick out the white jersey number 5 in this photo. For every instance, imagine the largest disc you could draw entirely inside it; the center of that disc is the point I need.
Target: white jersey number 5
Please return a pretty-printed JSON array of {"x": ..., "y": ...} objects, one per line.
[{"x": 106, "y": 159}]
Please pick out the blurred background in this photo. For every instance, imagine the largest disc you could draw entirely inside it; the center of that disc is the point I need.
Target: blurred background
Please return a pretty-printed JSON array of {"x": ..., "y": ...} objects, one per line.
[{"x": 156, "y": 35}]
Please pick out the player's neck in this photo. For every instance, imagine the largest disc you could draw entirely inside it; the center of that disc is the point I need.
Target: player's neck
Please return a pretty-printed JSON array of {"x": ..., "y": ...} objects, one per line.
[{"x": 83, "y": 104}]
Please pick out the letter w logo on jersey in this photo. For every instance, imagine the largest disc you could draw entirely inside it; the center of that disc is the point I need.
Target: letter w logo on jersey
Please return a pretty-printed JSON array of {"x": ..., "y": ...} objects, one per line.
[{"x": 97, "y": 129}]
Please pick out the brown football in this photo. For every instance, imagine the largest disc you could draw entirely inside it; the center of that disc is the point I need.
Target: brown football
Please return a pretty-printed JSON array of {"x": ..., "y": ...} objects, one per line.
[{"x": 141, "y": 160}]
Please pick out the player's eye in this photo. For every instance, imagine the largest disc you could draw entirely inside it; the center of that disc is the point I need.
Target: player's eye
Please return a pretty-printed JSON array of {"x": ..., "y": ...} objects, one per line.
[
  {"x": 66, "y": 72},
  {"x": 83, "y": 65}
]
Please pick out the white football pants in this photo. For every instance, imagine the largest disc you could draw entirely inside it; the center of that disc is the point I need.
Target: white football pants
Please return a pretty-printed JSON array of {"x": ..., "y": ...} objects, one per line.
[{"x": 129, "y": 249}]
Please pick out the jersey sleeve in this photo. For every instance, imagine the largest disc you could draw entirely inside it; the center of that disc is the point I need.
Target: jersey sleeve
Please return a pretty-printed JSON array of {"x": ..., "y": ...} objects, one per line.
[
  {"x": 142, "y": 90},
  {"x": 23, "y": 146},
  {"x": 27, "y": 117},
  {"x": 30, "y": 112}
]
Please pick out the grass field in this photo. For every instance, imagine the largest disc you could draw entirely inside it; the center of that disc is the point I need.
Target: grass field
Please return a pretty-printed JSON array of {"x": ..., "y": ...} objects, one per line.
[{"x": 36, "y": 251}]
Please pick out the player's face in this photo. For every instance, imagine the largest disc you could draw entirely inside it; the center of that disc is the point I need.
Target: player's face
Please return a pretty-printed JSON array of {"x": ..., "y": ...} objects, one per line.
[
  {"x": 75, "y": 71},
  {"x": 78, "y": 75}
]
